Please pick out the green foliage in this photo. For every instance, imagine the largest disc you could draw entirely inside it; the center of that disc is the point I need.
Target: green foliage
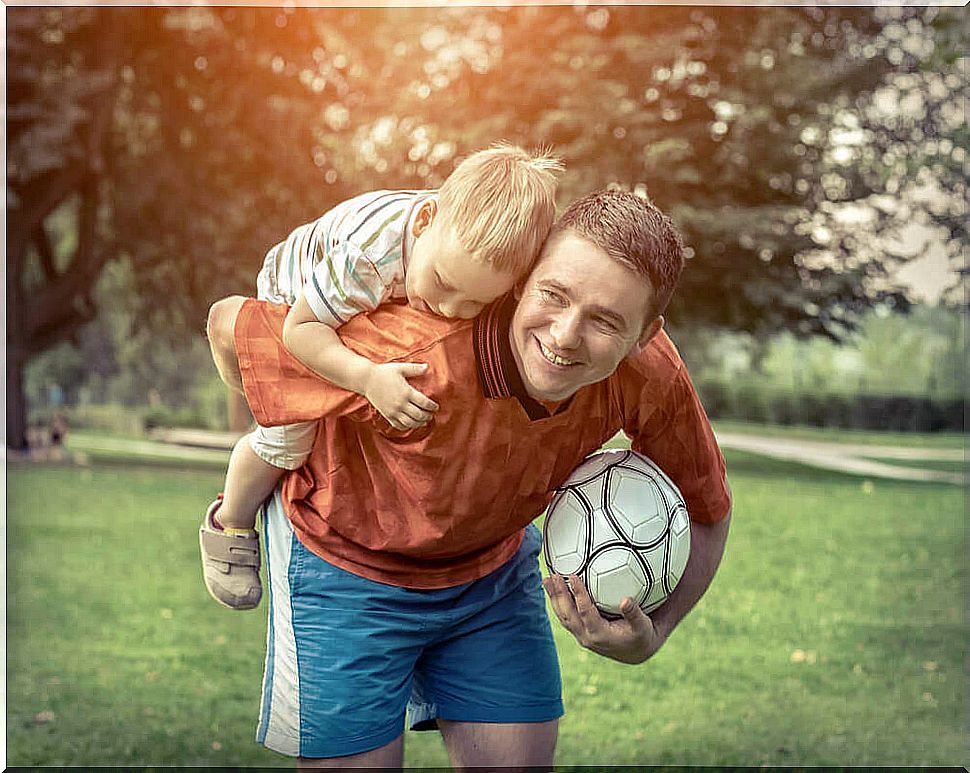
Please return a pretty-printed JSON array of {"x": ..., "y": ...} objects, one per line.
[
  {"x": 54, "y": 371},
  {"x": 183, "y": 142},
  {"x": 110, "y": 418},
  {"x": 896, "y": 372},
  {"x": 923, "y": 353},
  {"x": 833, "y": 593},
  {"x": 912, "y": 138},
  {"x": 723, "y": 115},
  {"x": 892, "y": 413},
  {"x": 141, "y": 376}
]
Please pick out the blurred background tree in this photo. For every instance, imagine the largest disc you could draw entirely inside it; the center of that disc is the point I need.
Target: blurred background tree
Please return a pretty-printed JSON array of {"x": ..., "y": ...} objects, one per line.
[
  {"x": 792, "y": 145},
  {"x": 177, "y": 140}
]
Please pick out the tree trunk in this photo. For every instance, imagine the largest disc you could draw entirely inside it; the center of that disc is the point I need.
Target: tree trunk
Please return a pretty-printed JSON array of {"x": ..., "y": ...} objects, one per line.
[
  {"x": 61, "y": 304},
  {"x": 16, "y": 404},
  {"x": 16, "y": 350}
]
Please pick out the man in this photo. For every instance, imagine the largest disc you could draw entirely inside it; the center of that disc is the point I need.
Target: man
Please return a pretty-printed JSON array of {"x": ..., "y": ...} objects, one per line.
[{"x": 402, "y": 564}]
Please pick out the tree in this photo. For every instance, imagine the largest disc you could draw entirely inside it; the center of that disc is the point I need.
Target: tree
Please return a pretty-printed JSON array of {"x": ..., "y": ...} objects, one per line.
[
  {"x": 725, "y": 116},
  {"x": 189, "y": 140},
  {"x": 907, "y": 138},
  {"x": 177, "y": 138}
]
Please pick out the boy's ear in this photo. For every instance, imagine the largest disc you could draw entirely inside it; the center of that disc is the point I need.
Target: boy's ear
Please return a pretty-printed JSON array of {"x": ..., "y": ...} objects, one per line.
[
  {"x": 424, "y": 217},
  {"x": 648, "y": 332}
]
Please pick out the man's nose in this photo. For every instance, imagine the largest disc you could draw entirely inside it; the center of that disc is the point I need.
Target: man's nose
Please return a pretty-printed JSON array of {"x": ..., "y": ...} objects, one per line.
[{"x": 565, "y": 330}]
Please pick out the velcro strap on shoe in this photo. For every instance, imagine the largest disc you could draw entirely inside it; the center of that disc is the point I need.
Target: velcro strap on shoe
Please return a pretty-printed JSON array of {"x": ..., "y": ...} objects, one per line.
[{"x": 240, "y": 551}]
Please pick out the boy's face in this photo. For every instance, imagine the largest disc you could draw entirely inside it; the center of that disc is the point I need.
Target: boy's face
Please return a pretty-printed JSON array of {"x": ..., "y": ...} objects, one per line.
[
  {"x": 580, "y": 312},
  {"x": 442, "y": 277}
]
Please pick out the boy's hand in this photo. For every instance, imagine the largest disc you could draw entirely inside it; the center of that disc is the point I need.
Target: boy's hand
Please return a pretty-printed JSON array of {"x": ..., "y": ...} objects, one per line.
[{"x": 395, "y": 399}]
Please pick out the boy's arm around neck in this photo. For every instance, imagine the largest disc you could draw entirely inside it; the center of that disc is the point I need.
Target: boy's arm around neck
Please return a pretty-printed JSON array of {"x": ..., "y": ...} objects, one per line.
[{"x": 317, "y": 345}]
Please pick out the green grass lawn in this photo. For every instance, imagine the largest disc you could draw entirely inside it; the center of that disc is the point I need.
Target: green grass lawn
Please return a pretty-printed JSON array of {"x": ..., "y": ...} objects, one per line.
[{"x": 835, "y": 633}]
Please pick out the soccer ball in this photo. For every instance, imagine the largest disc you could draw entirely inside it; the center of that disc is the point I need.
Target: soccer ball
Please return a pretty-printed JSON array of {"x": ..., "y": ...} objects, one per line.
[{"x": 621, "y": 525}]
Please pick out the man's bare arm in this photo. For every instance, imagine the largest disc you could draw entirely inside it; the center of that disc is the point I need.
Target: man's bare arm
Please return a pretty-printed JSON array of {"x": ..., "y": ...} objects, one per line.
[{"x": 707, "y": 549}]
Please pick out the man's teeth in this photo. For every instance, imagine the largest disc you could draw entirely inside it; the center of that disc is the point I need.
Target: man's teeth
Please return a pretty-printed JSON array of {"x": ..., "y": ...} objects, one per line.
[{"x": 555, "y": 359}]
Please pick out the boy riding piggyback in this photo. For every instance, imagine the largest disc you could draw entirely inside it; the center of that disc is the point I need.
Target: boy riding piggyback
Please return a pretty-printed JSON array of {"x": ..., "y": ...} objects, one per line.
[{"x": 449, "y": 252}]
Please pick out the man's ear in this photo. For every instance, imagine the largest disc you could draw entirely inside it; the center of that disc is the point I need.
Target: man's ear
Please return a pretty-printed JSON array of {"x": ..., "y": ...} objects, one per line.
[
  {"x": 424, "y": 217},
  {"x": 648, "y": 332}
]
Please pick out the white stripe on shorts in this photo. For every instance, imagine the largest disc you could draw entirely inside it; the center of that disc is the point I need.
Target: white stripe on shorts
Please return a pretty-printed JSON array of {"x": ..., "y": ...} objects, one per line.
[{"x": 279, "y": 712}]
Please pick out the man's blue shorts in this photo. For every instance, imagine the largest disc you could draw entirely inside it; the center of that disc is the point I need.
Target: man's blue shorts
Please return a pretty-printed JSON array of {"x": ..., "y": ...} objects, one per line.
[{"x": 345, "y": 655}]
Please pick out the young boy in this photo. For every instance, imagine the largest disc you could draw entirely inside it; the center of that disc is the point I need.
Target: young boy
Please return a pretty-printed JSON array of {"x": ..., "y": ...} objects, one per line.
[{"x": 450, "y": 252}]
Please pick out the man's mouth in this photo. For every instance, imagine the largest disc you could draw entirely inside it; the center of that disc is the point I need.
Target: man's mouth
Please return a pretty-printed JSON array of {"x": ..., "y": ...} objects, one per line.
[{"x": 552, "y": 357}]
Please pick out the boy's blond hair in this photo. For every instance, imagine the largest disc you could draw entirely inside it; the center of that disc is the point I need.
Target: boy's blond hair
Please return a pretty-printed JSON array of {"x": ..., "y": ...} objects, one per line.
[{"x": 501, "y": 203}]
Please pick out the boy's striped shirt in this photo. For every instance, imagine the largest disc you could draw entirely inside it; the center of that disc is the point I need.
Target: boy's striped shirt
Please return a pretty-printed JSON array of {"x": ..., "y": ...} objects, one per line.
[{"x": 350, "y": 260}]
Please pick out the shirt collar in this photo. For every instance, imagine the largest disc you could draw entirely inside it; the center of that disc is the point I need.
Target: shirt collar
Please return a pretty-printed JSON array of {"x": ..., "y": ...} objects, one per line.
[{"x": 498, "y": 374}]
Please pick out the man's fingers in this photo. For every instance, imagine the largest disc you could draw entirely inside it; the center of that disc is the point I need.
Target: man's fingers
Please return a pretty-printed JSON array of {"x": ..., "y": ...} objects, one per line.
[
  {"x": 409, "y": 417},
  {"x": 562, "y": 603},
  {"x": 588, "y": 612},
  {"x": 635, "y": 616},
  {"x": 631, "y": 640}
]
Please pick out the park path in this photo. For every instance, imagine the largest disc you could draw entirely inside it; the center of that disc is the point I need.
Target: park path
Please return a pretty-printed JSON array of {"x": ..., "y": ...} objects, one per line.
[
  {"x": 856, "y": 458},
  {"x": 212, "y": 451},
  {"x": 861, "y": 459}
]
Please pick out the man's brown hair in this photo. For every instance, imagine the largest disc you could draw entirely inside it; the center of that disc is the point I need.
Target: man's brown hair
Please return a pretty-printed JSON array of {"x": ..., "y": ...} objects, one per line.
[{"x": 633, "y": 231}]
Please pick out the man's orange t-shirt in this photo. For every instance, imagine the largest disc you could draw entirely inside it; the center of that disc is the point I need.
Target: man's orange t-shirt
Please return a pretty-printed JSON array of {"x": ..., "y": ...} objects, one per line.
[{"x": 446, "y": 504}]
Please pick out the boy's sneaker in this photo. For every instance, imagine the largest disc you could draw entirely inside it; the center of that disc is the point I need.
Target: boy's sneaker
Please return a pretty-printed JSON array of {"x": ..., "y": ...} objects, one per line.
[{"x": 230, "y": 563}]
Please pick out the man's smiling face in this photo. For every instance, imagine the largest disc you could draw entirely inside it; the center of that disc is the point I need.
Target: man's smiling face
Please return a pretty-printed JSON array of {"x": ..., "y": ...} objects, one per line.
[{"x": 579, "y": 314}]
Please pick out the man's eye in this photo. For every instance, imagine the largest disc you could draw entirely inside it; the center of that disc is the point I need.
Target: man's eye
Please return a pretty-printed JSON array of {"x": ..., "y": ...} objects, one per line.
[
  {"x": 550, "y": 296},
  {"x": 606, "y": 325}
]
